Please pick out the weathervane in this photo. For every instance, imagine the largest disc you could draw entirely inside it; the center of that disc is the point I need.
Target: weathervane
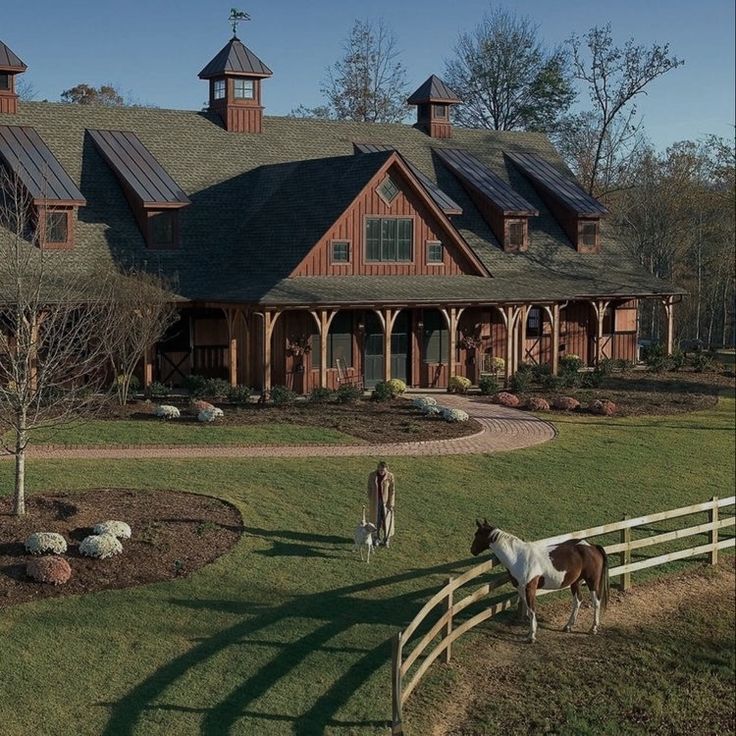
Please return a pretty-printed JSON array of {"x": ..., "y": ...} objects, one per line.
[{"x": 237, "y": 16}]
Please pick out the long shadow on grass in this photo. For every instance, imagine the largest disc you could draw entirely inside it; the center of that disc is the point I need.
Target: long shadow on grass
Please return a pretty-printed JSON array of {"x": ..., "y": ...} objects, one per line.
[{"x": 338, "y": 611}]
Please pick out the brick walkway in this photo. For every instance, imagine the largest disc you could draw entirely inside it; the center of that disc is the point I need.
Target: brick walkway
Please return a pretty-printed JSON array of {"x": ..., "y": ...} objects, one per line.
[{"x": 503, "y": 429}]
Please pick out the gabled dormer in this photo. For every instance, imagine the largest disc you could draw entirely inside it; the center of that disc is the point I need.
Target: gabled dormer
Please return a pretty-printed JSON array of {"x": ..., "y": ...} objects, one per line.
[
  {"x": 10, "y": 67},
  {"x": 52, "y": 195},
  {"x": 434, "y": 100},
  {"x": 234, "y": 76},
  {"x": 578, "y": 213},
  {"x": 505, "y": 210}
]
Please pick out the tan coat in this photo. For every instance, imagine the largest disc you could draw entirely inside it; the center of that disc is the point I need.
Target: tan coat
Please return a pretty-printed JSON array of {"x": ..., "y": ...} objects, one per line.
[{"x": 388, "y": 499}]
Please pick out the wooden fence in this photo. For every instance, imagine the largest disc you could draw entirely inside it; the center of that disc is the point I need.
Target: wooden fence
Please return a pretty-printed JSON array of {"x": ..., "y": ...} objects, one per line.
[{"x": 445, "y": 627}]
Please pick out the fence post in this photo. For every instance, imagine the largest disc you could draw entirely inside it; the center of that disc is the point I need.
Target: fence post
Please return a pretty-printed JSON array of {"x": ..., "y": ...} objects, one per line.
[
  {"x": 397, "y": 728},
  {"x": 625, "y": 583},
  {"x": 713, "y": 519},
  {"x": 448, "y": 625}
]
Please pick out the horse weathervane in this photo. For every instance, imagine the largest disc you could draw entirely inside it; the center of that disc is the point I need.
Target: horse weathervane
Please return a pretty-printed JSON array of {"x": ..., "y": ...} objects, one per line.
[{"x": 237, "y": 16}]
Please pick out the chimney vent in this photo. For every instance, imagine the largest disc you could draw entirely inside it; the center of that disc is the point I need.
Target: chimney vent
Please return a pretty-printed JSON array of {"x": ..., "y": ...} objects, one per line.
[
  {"x": 433, "y": 100},
  {"x": 10, "y": 66}
]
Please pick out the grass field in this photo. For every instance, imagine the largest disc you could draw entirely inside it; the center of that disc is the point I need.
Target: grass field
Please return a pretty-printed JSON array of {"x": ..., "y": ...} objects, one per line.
[{"x": 287, "y": 634}]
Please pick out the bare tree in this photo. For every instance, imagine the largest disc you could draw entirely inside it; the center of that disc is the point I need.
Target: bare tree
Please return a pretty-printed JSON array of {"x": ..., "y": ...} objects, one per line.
[
  {"x": 143, "y": 311},
  {"x": 106, "y": 95},
  {"x": 506, "y": 78},
  {"x": 614, "y": 77},
  {"x": 52, "y": 324},
  {"x": 25, "y": 89}
]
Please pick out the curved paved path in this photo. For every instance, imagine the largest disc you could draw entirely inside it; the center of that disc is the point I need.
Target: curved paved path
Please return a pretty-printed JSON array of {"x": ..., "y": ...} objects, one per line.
[{"x": 503, "y": 429}]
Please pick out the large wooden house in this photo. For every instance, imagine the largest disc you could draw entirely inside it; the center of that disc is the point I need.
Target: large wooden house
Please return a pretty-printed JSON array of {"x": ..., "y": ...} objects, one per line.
[{"x": 298, "y": 248}]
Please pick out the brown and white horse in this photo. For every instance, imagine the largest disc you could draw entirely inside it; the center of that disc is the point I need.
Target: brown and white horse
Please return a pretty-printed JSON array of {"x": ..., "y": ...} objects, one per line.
[{"x": 535, "y": 565}]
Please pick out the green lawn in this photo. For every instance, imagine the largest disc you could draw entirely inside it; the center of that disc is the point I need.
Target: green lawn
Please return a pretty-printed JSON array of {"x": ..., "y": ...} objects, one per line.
[
  {"x": 287, "y": 634},
  {"x": 99, "y": 432}
]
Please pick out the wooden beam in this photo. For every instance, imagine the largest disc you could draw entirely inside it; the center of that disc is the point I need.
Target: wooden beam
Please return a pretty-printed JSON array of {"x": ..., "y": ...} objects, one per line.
[
  {"x": 553, "y": 313},
  {"x": 669, "y": 310},
  {"x": 452, "y": 319},
  {"x": 269, "y": 321},
  {"x": 599, "y": 307},
  {"x": 232, "y": 315},
  {"x": 388, "y": 318},
  {"x": 323, "y": 318},
  {"x": 148, "y": 367}
]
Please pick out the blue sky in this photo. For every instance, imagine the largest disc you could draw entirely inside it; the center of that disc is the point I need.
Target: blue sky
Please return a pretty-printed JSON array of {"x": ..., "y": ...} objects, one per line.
[{"x": 154, "y": 49}]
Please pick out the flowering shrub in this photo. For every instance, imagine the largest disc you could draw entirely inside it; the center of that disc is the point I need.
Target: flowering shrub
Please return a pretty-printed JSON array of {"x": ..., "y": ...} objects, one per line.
[
  {"x": 209, "y": 415},
  {"x": 54, "y": 570},
  {"x": 422, "y": 403},
  {"x": 166, "y": 411},
  {"x": 537, "y": 404},
  {"x": 433, "y": 411},
  {"x": 565, "y": 403},
  {"x": 396, "y": 386},
  {"x": 100, "y": 546},
  {"x": 602, "y": 407},
  {"x": 458, "y": 385},
  {"x": 201, "y": 405},
  {"x": 504, "y": 398},
  {"x": 40, "y": 543},
  {"x": 497, "y": 364},
  {"x": 118, "y": 529},
  {"x": 454, "y": 415}
]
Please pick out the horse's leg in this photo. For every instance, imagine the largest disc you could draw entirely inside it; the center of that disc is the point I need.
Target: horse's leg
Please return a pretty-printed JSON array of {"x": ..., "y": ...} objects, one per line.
[
  {"x": 370, "y": 547},
  {"x": 531, "y": 597},
  {"x": 523, "y": 608},
  {"x": 576, "y": 602},
  {"x": 591, "y": 583}
]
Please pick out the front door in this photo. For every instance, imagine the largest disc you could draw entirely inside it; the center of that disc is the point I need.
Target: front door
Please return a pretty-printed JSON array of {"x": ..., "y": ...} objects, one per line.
[{"x": 373, "y": 349}]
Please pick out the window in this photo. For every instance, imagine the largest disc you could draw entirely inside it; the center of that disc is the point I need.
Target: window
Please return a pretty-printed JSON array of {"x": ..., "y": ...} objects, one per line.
[
  {"x": 435, "y": 252},
  {"x": 340, "y": 251},
  {"x": 436, "y": 337},
  {"x": 388, "y": 190},
  {"x": 244, "y": 89},
  {"x": 516, "y": 234},
  {"x": 534, "y": 322},
  {"x": 4, "y": 81},
  {"x": 57, "y": 228},
  {"x": 440, "y": 111},
  {"x": 161, "y": 228},
  {"x": 389, "y": 239},
  {"x": 339, "y": 342},
  {"x": 218, "y": 89},
  {"x": 589, "y": 234}
]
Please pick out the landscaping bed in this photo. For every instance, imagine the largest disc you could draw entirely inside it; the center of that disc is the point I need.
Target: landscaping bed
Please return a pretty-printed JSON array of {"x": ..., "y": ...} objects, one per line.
[{"x": 173, "y": 534}]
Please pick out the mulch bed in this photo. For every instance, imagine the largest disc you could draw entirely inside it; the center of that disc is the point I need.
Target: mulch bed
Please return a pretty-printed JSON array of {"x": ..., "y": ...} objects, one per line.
[
  {"x": 386, "y": 421},
  {"x": 173, "y": 534}
]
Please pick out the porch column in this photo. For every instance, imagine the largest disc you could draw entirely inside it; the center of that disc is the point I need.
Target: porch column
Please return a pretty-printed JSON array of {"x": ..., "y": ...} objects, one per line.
[
  {"x": 148, "y": 367},
  {"x": 523, "y": 318},
  {"x": 269, "y": 321},
  {"x": 554, "y": 319},
  {"x": 599, "y": 307},
  {"x": 387, "y": 317},
  {"x": 452, "y": 318},
  {"x": 323, "y": 318},
  {"x": 232, "y": 315},
  {"x": 669, "y": 310},
  {"x": 509, "y": 314},
  {"x": 247, "y": 348}
]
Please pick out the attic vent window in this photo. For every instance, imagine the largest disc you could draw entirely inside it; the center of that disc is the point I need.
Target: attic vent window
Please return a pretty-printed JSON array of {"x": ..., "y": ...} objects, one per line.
[
  {"x": 218, "y": 89},
  {"x": 244, "y": 89},
  {"x": 387, "y": 190},
  {"x": 5, "y": 81},
  {"x": 589, "y": 233}
]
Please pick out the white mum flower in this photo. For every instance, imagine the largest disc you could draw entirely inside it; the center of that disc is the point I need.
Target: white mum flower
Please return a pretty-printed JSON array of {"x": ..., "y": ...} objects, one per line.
[
  {"x": 454, "y": 415},
  {"x": 209, "y": 415},
  {"x": 40, "y": 543},
  {"x": 100, "y": 546},
  {"x": 166, "y": 411},
  {"x": 423, "y": 403},
  {"x": 118, "y": 529}
]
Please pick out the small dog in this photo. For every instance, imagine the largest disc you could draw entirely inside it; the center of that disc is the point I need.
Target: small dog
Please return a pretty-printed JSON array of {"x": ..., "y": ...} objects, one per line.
[{"x": 363, "y": 537}]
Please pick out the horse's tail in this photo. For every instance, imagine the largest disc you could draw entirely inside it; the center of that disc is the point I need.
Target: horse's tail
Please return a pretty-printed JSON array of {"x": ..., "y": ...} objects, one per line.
[{"x": 604, "y": 584}]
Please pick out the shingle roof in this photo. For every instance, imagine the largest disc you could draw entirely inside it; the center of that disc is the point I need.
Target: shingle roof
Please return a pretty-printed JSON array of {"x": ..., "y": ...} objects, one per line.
[
  {"x": 235, "y": 58},
  {"x": 239, "y": 183},
  {"x": 433, "y": 90},
  {"x": 9, "y": 62}
]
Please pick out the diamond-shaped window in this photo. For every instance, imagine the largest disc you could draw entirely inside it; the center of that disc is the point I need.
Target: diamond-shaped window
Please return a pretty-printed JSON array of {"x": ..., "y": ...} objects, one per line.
[{"x": 387, "y": 190}]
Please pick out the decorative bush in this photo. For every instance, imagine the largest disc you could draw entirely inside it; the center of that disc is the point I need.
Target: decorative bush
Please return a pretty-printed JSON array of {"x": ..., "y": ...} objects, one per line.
[
  {"x": 422, "y": 403},
  {"x": 382, "y": 392},
  {"x": 347, "y": 394},
  {"x": 602, "y": 407},
  {"x": 158, "y": 391},
  {"x": 433, "y": 411},
  {"x": 397, "y": 386},
  {"x": 210, "y": 415},
  {"x": 702, "y": 363},
  {"x": 166, "y": 411},
  {"x": 541, "y": 371},
  {"x": 655, "y": 357},
  {"x": 100, "y": 546},
  {"x": 118, "y": 529},
  {"x": 570, "y": 363},
  {"x": 195, "y": 385},
  {"x": 282, "y": 396},
  {"x": 216, "y": 388},
  {"x": 592, "y": 379},
  {"x": 537, "y": 403},
  {"x": 52, "y": 570},
  {"x": 320, "y": 395},
  {"x": 459, "y": 385},
  {"x": 497, "y": 365},
  {"x": 134, "y": 383},
  {"x": 41, "y": 543},
  {"x": 565, "y": 403},
  {"x": 521, "y": 381},
  {"x": 551, "y": 383},
  {"x": 488, "y": 385},
  {"x": 239, "y": 394},
  {"x": 202, "y": 405},
  {"x": 504, "y": 398},
  {"x": 454, "y": 415}
]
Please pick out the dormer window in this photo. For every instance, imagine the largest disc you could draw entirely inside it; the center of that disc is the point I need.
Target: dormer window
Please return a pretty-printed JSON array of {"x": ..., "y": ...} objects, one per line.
[
  {"x": 161, "y": 230},
  {"x": 218, "y": 89},
  {"x": 589, "y": 234},
  {"x": 387, "y": 190},
  {"x": 57, "y": 227},
  {"x": 244, "y": 89},
  {"x": 4, "y": 81},
  {"x": 516, "y": 235}
]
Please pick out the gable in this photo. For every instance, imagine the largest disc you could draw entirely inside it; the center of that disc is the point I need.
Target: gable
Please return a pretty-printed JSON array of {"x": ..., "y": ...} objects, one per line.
[{"x": 409, "y": 205}]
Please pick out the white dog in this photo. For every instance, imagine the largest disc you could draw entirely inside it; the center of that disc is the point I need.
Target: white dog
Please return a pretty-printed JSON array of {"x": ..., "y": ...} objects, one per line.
[{"x": 363, "y": 537}]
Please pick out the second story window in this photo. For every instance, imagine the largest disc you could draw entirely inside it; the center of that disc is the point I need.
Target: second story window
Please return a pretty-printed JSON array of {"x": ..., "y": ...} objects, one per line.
[
  {"x": 340, "y": 251},
  {"x": 389, "y": 239},
  {"x": 435, "y": 252},
  {"x": 218, "y": 89},
  {"x": 387, "y": 190},
  {"x": 244, "y": 89}
]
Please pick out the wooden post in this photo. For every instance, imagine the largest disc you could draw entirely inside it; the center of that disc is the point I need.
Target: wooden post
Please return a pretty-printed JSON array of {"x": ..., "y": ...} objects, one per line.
[
  {"x": 387, "y": 318},
  {"x": 599, "y": 307},
  {"x": 555, "y": 339},
  {"x": 396, "y": 686},
  {"x": 669, "y": 310},
  {"x": 147, "y": 367},
  {"x": 448, "y": 625},
  {"x": 509, "y": 318},
  {"x": 323, "y": 318},
  {"x": 269, "y": 320},
  {"x": 713, "y": 519},
  {"x": 231, "y": 316},
  {"x": 625, "y": 583},
  {"x": 452, "y": 320}
]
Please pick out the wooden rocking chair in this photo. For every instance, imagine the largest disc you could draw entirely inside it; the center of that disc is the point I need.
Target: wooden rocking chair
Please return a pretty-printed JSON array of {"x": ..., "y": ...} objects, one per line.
[{"x": 347, "y": 376}]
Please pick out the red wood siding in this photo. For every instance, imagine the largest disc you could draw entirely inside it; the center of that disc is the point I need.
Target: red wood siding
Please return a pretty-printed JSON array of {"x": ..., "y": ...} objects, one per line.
[{"x": 351, "y": 227}]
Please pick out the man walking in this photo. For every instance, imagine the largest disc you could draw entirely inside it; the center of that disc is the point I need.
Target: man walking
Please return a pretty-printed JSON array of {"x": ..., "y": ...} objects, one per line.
[{"x": 381, "y": 502}]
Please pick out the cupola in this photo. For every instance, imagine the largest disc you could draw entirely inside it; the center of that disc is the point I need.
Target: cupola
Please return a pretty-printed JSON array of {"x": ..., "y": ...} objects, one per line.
[
  {"x": 235, "y": 76},
  {"x": 10, "y": 65},
  {"x": 433, "y": 100}
]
